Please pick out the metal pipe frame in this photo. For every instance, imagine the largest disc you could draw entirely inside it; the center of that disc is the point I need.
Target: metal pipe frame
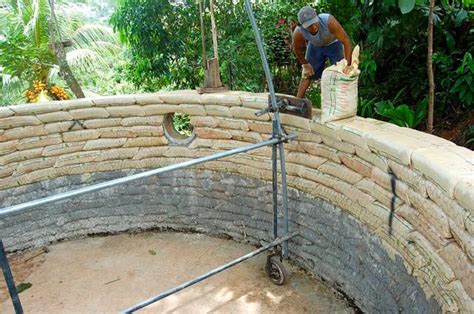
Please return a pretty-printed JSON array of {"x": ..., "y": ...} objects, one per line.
[
  {"x": 111, "y": 183},
  {"x": 7, "y": 273},
  {"x": 277, "y": 140},
  {"x": 277, "y": 131},
  {"x": 275, "y": 185},
  {"x": 266, "y": 67},
  {"x": 213, "y": 272}
]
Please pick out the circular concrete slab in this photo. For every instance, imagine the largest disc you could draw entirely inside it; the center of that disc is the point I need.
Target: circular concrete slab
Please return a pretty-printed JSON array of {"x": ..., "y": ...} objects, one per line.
[{"x": 110, "y": 274}]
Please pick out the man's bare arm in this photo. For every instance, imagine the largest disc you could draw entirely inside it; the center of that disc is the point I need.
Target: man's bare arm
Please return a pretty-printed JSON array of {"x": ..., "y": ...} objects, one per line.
[
  {"x": 336, "y": 28},
  {"x": 299, "y": 46}
]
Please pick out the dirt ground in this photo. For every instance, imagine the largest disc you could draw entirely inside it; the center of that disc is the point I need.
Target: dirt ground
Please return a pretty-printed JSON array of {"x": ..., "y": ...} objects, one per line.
[{"x": 110, "y": 274}]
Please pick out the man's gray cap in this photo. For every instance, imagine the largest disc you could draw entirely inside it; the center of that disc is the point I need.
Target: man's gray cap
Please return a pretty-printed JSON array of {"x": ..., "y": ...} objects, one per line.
[{"x": 307, "y": 16}]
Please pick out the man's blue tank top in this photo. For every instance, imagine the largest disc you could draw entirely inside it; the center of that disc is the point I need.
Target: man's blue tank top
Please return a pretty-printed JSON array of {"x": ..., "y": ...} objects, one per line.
[{"x": 323, "y": 37}]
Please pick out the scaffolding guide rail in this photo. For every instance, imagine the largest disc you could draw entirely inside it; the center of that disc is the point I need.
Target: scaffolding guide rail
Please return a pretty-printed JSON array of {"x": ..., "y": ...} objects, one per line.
[
  {"x": 277, "y": 132},
  {"x": 215, "y": 271},
  {"x": 274, "y": 267},
  {"x": 7, "y": 273},
  {"x": 277, "y": 129},
  {"x": 104, "y": 185}
]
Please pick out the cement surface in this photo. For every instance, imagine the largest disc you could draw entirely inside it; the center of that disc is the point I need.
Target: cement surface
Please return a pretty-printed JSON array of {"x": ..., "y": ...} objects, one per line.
[{"x": 110, "y": 274}]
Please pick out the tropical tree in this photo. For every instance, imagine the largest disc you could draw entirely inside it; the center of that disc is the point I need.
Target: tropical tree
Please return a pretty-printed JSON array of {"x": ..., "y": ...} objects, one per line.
[
  {"x": 167, "y": 51},
  {"x": 32, "y": 38},
  {"x": 393, "y": 36}
]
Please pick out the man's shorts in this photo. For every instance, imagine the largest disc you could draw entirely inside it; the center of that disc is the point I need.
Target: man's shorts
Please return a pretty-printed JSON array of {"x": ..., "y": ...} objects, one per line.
[{"x": 317, "y": 56}]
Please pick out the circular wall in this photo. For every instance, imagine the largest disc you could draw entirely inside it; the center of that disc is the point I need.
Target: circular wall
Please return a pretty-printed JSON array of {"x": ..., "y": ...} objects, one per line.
[{"x": 385, "y": 213}]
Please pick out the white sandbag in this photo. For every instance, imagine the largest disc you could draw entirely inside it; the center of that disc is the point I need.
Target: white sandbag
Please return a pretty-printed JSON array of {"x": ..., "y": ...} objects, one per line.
[{"x": 339, "y": 92}]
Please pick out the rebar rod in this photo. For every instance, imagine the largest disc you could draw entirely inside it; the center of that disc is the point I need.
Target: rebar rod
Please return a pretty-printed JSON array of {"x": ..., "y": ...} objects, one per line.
[
  {"x": 111, "y": 183},
  {"x": 208, "y": 274}
]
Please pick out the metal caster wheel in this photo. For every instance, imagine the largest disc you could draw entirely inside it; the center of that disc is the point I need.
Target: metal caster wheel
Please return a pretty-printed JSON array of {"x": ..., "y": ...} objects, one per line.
[{"x": 275, "y": 270}]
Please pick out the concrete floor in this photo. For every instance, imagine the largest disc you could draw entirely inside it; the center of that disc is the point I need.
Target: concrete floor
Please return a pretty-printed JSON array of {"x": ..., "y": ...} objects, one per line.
[{"x": 110, "y": 274}]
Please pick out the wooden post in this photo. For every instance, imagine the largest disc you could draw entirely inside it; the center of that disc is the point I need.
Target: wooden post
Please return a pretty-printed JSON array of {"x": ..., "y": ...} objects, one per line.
[
  {"x": 203, "y": 35},
  {"x": 212, "y": 79}
]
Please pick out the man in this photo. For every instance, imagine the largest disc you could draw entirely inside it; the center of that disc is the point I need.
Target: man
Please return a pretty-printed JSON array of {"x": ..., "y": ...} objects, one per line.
[{"x": 326, "y": 40}]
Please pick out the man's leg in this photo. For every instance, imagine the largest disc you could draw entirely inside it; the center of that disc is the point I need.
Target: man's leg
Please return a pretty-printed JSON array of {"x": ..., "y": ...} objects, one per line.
[
  {"x": 334, "y": 52},
  {"x": 316, "y": 58}
]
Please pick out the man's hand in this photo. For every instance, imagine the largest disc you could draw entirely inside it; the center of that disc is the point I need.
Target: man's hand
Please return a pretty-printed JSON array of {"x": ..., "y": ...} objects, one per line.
[
  {"x": 308, "y": 71},
  {"x": 348, "y": 69}
]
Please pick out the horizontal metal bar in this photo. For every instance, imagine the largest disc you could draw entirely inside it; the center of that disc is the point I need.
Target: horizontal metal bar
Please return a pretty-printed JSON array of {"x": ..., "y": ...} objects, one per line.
[
  {"x": 108, "y": 184},
  {"x": 209, "y": 274}
]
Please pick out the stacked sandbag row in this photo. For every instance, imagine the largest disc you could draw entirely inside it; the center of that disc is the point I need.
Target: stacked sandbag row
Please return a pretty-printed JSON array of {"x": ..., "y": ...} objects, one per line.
[{"x": 413, "y": 190}]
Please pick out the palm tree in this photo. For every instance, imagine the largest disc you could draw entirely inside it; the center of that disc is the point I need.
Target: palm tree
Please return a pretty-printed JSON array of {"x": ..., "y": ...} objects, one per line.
[{"x": 32, "y": 45}]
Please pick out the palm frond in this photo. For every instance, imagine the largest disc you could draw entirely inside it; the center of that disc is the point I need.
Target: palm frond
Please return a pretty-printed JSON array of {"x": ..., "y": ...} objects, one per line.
[
  {"x": 90, "y": 33},
  {"x": 95, "y": 44},
  {"x": 53, "y": 73},
  {"x": 11, "y": 89},
  {"x": 82, "y": 57},
  {"x": 10, "y": 24},
  {"x": 37, "y": 24}
]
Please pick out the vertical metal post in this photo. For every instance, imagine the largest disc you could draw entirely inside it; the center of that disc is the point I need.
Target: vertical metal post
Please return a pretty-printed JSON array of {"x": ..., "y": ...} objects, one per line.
[
  {"x": 275, "y": 182},
  {"x": 266, "y": 67},
  {"x": 7, "y": 273},
  {"x": 276, "y": 115},
  {"x": 284, "y": 191}
]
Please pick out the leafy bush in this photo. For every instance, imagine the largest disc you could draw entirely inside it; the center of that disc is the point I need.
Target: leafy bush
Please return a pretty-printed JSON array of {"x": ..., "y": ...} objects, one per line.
[
  {"x": 366, "y": 108},
  {"x": 469, "y": 137},
  {"x": 394, "y": 49},
  {"x": 402, "y": 115},
  {"x": 464, "y": 85},
  {"x": 164, "y": 40},
  {"x": 182, "y": 124}
]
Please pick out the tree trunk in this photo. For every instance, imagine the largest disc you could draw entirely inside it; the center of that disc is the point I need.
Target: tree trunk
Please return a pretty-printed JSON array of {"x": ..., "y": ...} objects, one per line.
[
  {"x": 65, "y": 71},
  {"x": 58, "y": 48},
  {"x": 203, "y": 34},
  {"x": 429, "y": 62},
  {"x": 214, "y": 31}
]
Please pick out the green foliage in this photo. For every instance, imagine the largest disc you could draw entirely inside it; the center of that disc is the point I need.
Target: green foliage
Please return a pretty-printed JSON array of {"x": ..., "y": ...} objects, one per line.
[
  {"x": 469, "y": 137},
  {"x": 164, "y": 42},
  {"x": 164, "y": 49},
  {"x": 366, "y": 108},
  {"x": 95, "y": 55},
  {"x": 394, "y": 49},
  {"x": 402, "y": 115},
  {"x": 11, "y": 89},
  {"x": 23, "y": 49},
  {"x": 406, "y": 6},
  {"x": 182, "y": 124},
  {"x": 464, "y": 85},
  {"x": 155, "y": 48},
  {"x": 236, "y": 44},
  {"x": 24, "y": 54},
  {"x": 314, "y": 95}
]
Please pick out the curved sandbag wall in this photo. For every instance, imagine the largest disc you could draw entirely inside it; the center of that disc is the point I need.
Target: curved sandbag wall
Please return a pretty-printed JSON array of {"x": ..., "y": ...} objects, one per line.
[{"x": 385, "y": 213}]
